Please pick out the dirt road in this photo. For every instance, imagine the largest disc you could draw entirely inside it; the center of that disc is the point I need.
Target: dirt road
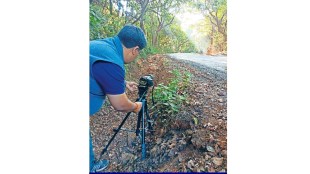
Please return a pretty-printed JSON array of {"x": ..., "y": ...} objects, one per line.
[{"x": 216, "y": 62}]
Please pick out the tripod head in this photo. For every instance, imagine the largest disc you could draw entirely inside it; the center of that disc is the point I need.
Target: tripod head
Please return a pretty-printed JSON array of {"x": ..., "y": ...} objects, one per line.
[{"x": 144, "y": 83}]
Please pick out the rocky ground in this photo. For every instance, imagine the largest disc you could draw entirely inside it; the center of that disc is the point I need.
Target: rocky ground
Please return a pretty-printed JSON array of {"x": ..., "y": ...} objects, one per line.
[{"x": 196, "y": 141}]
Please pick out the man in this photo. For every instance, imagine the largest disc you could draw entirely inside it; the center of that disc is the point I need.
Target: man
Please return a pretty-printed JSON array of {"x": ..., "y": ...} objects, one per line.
[{"x": 107, "y": 75}]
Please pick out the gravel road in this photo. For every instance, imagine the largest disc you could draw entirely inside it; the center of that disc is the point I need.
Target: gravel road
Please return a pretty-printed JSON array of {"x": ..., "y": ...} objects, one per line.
[{"x": 217, "y": 65}]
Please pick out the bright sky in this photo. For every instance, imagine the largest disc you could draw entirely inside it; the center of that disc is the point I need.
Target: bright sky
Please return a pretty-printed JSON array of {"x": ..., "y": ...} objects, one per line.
[{"x": 189, "y": 20}]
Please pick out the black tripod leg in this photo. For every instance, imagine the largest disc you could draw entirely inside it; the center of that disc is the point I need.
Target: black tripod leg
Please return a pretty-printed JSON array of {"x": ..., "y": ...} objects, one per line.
[
  {"x": 143, "y": 146},
  {"x": 110, "y": 141},
  {"x": 138, "y": 122}
]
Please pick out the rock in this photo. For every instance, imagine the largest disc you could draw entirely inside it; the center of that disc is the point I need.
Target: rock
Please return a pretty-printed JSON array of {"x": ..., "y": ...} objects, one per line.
[
  {"x": 210, "y": 149},
  {"x": 217, "y": 161},
  {"x": 181, "y": 124},
  {"x": 220, "y": 100},
  {"x": 190, "y": 164},
  {"x": 197, "y": 142},
  {"x": 220, "y": 94},
  {"x": 198, "y": 139}
]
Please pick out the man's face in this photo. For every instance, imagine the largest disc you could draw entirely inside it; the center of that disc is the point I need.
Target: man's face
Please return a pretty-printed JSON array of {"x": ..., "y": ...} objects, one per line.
[{"x": 133, "y": 54}]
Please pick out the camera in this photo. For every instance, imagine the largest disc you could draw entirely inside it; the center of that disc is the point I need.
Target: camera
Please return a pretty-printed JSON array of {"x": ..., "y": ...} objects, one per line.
[{"x": 146, "y": 81}]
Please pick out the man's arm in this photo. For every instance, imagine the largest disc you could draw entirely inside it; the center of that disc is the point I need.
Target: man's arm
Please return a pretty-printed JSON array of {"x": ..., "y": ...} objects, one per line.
[
  {"x": 121, "y": 103},
  {"x": 111, "y": 79}
]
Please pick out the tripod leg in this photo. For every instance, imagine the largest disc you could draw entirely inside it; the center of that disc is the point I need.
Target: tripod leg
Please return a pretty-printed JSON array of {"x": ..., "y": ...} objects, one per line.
[
  {"x": 110, "y": 141},
  {"x": 143, "y": 146},
  {"x": 139, "y": 121}
]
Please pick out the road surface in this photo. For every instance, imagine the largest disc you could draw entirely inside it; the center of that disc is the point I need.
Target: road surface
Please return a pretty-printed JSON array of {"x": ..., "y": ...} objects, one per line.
[{"x": 216, "y": 62}]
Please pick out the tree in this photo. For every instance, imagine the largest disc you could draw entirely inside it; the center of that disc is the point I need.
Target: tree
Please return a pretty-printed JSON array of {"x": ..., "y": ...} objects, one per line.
[
  {"x": 161, "y": 16},
  {"x": 216, "y": 13},
  {"x": 156, "y": 18}
]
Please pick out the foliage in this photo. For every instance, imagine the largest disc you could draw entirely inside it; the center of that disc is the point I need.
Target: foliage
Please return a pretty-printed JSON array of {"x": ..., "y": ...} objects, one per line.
[
  {"x": 163, "y": 33},
  {"x": 102, "y": 24},
  {"x": 169, "y": 98},
  {"x": 215, "y": 12}
]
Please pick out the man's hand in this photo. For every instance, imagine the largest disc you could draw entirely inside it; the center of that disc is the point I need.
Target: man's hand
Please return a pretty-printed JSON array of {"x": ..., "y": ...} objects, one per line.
[
  {"x": 138, "y": 107},
  {"x": 132, "y": 86}
]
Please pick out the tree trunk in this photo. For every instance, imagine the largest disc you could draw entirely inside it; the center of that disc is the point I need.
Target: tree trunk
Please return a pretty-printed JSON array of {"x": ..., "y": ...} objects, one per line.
[
  {"x": 211, "y": 49},
  {"x": 111, "y": 6},
  {"x": 154, "y": 38},
  {"x": 142, "y": 25}
]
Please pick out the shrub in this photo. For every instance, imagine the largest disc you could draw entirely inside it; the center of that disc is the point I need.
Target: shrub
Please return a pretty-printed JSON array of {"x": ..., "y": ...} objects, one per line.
[{"x": 170, "y": 98}]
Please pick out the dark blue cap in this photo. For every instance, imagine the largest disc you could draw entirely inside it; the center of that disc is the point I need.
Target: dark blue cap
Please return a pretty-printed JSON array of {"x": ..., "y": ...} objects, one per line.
[{"x": 132, "y": 36}]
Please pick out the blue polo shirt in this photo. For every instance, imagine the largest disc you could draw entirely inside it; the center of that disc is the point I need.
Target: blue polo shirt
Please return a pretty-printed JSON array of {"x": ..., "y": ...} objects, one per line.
[
  {"x": 106, "y": 71},
  {"x": 110, "y": 77}
]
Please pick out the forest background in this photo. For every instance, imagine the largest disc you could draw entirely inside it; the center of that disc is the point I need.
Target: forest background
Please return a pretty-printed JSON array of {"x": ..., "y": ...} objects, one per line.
[{"x": 158, "y": 19}]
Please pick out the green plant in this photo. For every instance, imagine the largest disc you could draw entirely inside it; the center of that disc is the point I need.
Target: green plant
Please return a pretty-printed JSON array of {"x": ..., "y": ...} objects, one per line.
[
  {"x": 172, "y": 96},
  {"x": 102, "y": 24}
]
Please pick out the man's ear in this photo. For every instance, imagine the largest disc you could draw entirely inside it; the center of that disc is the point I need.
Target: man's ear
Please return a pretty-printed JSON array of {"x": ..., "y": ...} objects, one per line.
[{"x": 136, "y": 50}]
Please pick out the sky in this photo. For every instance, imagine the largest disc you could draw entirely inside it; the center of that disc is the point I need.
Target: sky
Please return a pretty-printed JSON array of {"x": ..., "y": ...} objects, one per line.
[{"x": 189, "y": 20}]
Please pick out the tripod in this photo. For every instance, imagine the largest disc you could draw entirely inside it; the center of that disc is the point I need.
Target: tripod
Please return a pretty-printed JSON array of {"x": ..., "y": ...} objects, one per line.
[{"x": 144, "y": 123}]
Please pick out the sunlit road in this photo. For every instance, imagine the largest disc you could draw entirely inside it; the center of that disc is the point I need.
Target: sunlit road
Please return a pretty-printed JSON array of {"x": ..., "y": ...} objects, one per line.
[{"x": 216, "y": 62}]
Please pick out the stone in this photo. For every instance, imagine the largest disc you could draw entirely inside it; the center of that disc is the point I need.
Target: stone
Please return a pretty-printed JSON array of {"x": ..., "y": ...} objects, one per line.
[
  {"x": 199, "y": 139},
  {"x": 217, "y": 161},
  {"x": 220, "y": 94},
  {"x": 210, "y": 149},
  {"x": 190, "y": 164}
]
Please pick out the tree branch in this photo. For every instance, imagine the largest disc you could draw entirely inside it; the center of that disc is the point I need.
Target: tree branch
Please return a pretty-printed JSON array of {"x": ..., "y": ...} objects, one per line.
[
  {"x": 169, "y": 23},
  {"x": 224, "y": 15},
  {"x": 143, "y": 10}
]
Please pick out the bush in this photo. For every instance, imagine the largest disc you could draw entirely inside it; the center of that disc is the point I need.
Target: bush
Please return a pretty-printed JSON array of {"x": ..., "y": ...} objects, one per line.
[{"x": 169, "y": 99}]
